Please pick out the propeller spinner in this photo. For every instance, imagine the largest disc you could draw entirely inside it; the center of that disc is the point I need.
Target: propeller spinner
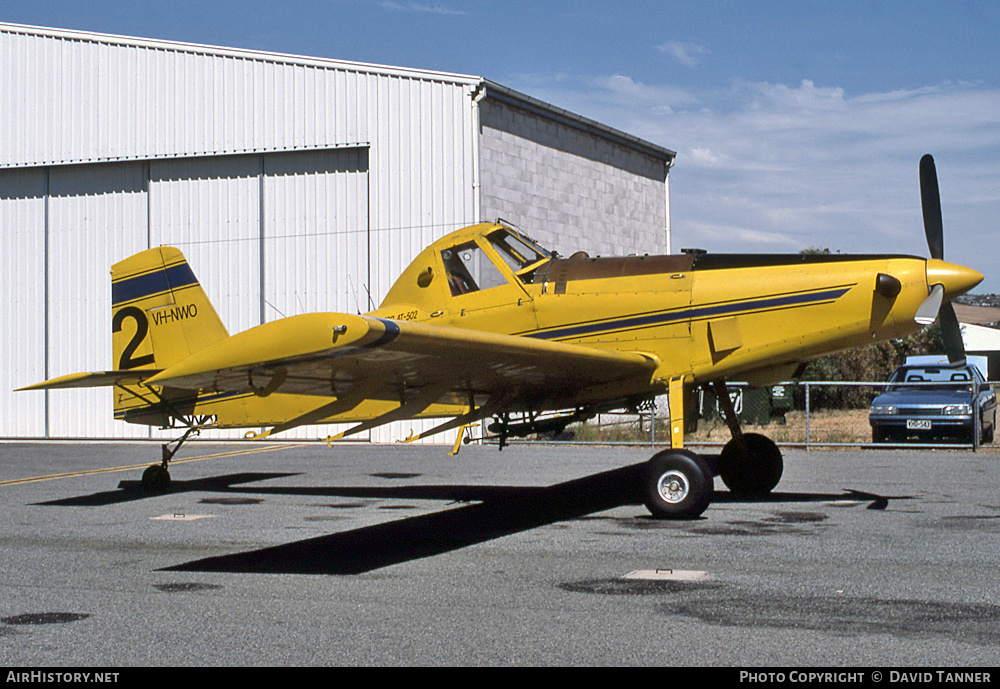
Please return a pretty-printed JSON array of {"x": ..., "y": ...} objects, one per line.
[{"x": 947, "y": 280}]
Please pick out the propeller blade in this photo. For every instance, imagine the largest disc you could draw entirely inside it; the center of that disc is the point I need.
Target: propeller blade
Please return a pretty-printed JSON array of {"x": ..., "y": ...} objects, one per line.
[
  {"x": 928, "y": 311},
  {"x": 951, "y": 333},
  {"x": 930, "y": 201},
  {"x": 934, "y": 307}
]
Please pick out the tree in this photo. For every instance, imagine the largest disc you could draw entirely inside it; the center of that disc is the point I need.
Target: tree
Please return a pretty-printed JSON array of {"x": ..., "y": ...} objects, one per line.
[
  {"x": 872, "y": 362},
  {"x": 876, "y": 361}
]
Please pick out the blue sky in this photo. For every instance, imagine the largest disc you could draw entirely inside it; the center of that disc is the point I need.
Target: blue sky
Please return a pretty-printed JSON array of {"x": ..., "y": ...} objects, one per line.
[{"x": 797, "y": 124}]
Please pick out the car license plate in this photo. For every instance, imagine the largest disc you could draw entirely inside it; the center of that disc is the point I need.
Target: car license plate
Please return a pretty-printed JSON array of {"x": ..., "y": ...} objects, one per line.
[{"x": 918, "y": 424}]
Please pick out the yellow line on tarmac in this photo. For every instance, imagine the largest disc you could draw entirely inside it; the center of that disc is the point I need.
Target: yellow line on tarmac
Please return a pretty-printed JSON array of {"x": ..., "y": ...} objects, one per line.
[{"x": 109, "y": 470}]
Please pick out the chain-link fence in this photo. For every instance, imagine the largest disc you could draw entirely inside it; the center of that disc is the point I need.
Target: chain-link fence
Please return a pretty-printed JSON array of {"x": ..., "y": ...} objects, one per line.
[{"x": 813, "y": 414}]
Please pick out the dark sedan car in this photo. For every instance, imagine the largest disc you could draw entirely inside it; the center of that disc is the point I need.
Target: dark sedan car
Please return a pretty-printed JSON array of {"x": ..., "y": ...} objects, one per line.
[{"x": 934, "y": 401}]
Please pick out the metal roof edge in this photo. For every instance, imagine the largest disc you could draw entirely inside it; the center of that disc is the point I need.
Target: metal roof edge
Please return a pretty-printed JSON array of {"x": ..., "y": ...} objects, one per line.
[
  {"x": 509, "y": 96},
  {"x": 242, "y": 53},
  {"x": 182, "y": 155},
  {"x": 480, "y": 85}
]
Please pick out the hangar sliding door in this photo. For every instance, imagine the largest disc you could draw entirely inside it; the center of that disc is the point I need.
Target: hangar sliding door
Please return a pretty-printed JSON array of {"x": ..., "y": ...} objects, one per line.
[
  {"x": 209, "y": 208},
  {"x": 22, "y": 274},
  {"x": 316, "y": 239},
  {"x": 62, "y": 229},
  {"x": 96, "y": 214},
  {"x": 316, "y": 232},
  {"x": 268, "y": 235}
]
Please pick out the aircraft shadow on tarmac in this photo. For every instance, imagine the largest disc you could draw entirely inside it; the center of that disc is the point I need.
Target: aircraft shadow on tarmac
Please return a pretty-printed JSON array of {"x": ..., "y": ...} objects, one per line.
[
  {"x": 129, "y": 491},
  {"x": 491, "y": 512}
]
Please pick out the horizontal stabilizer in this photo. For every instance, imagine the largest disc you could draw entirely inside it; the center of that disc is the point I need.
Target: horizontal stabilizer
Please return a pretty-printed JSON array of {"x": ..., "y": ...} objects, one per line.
[{"x": 95, "y": 379}]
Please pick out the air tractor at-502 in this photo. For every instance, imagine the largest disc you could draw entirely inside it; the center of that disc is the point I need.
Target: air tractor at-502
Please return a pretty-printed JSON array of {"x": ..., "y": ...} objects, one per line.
[{"x": 486, "y": 324}]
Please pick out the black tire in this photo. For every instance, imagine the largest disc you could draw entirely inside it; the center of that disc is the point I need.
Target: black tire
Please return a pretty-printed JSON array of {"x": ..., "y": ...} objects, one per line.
[
  {"x": 156, "y": 478},
  {"x": 756, "y": 473},
  {"x": 678, "y": 485}
]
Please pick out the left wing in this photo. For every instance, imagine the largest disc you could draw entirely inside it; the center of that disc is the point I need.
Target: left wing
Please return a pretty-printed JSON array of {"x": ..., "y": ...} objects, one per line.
[{"x": 357, "y": 358}]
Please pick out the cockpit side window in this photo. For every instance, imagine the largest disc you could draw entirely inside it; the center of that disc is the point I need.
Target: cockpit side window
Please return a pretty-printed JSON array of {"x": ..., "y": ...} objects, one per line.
[{"x": 469, "y": 269}]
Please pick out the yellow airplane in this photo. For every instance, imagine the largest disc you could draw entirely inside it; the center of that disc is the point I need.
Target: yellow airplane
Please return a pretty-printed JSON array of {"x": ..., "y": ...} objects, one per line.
[{"x": 484, "y": 323}]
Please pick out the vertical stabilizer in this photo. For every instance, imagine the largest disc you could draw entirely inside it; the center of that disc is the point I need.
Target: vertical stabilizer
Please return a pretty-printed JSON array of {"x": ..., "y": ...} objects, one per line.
[{"x": 159, "y": 315}]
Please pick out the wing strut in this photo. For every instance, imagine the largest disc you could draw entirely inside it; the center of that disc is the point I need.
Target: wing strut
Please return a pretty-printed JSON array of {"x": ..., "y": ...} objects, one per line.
[
  {"x": 425, "y": 398},
  {"x": 345, "y": 403},
  {"x": 488, "y": 409}
]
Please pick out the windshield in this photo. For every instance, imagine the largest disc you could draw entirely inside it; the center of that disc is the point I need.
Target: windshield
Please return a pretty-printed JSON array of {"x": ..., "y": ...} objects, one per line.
[
  {"x": 517, "y": 252},
  {"x": 926, "y": 376}
]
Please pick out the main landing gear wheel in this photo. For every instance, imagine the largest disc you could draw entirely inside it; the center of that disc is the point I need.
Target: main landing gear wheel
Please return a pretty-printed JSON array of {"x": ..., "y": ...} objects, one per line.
[
  {"x": 677, "y": 485},
  {"x": 156, "y": 478},
  {"x": 757, "y": 471}
]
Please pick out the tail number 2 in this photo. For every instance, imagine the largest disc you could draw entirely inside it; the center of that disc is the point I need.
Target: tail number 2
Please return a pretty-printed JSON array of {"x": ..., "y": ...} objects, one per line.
[{"x": 127, "y": 360}]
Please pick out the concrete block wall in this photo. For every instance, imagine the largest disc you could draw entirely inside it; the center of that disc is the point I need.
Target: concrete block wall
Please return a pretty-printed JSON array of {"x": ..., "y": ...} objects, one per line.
[{"x": 568, "y": 188}]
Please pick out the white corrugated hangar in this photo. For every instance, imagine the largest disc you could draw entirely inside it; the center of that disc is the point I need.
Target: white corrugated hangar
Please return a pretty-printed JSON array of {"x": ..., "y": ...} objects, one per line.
[{"x": 292, "y": 184}]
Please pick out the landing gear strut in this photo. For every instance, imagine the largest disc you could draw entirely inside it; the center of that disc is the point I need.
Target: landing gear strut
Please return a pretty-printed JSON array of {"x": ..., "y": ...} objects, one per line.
[
  {"x": 156, "y": 477},
  {"x": 750, "y": 463},
  {"x": 678, "y": 484}
]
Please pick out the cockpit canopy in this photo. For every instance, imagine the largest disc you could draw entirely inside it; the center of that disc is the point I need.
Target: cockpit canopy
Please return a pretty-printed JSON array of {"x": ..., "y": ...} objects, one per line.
[
  {"x": 470, "y": 269},
  {"x": 472, "y": 259}
]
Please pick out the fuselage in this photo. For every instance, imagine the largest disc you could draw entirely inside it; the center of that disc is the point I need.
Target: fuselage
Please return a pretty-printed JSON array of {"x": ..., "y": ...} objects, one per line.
[
  {"x": 694, "y": 318},
  {"x": 704, "y": 316}
]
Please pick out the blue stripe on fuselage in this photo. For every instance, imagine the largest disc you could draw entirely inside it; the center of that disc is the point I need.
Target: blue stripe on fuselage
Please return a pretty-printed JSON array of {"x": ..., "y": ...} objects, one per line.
[{"x": 782, "y": 301}]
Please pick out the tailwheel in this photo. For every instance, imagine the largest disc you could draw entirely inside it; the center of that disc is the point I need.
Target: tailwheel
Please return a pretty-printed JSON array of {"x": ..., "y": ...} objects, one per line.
[
  {"x": 156, "y": 478},
  {"x": 677, "y": 485},
  {"x": 750, "y": 465}
]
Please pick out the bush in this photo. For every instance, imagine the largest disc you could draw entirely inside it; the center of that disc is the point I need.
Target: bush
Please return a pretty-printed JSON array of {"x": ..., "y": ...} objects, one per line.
[{"x": 873, "y": 363}]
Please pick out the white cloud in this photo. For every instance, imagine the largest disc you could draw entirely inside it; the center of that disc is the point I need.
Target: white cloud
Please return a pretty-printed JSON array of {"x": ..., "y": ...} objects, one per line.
[
  {"x": 708, "y": 158},
  {"x": 627, "y": 90},
  {"x": 764, "y": 167},
  {"x": 805, "y": 97},
  {"x": 608, "y": 96},
  {"x": 723, "y": 235},
  {"x": 683, "y": 53},
  {"x": 418, "y": 7}
]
